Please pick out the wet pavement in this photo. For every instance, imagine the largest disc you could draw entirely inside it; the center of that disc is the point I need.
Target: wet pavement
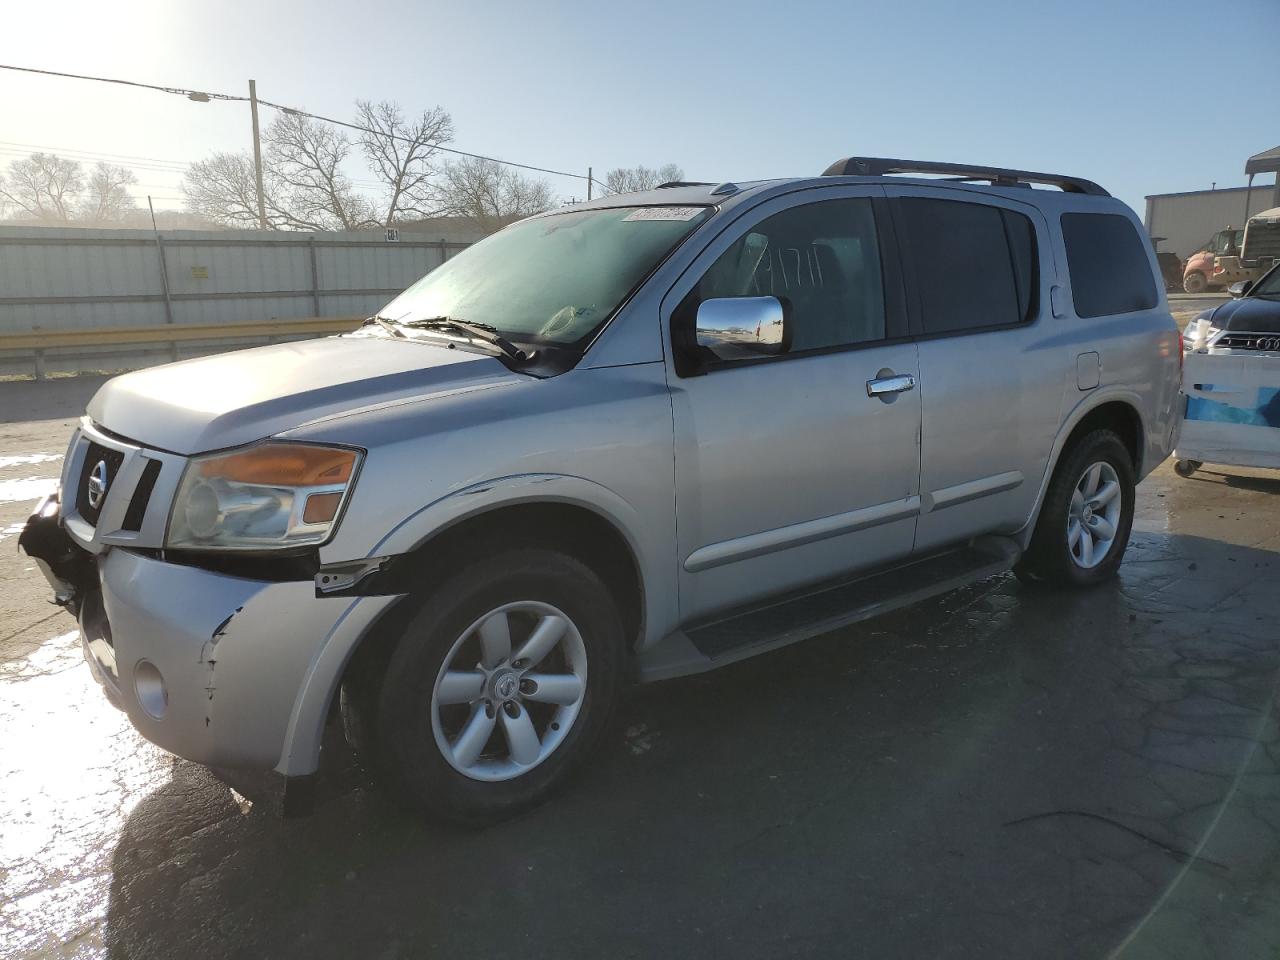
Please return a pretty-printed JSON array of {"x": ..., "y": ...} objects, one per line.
[{"x": 997, "y": 773}]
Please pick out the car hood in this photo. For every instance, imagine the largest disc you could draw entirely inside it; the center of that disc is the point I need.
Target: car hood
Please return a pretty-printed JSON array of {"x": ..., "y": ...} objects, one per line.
[
  {"x": 1248, "y": 315},
  {"x": 234, "y": 398}
]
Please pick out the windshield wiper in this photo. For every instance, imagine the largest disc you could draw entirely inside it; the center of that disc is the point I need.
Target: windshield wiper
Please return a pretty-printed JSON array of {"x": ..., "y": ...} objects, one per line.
[
  {"x": 385, "y": 324},
  {"x": 478, "y": 331}
]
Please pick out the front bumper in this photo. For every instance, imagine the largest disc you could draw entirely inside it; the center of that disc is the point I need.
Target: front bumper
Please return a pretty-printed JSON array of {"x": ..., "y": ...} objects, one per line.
[{"x": 225, "y": 671}]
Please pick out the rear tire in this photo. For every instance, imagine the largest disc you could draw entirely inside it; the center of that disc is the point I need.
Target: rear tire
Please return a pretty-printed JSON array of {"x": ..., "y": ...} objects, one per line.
[
  {"x": 1086, "y": 518},
  {"x": 477, "y": 756}
]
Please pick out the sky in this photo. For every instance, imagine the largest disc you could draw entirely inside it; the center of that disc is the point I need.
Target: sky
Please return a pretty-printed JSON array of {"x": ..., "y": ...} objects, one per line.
[{"x": 1143, "y": 96}]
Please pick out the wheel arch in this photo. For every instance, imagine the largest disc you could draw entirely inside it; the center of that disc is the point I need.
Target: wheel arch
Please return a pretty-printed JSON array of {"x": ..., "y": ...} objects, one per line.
[
  {"x": 1117, "y": 412},
  {"x": 572, "y": 514},
  {"x": 568, "y": 525}
]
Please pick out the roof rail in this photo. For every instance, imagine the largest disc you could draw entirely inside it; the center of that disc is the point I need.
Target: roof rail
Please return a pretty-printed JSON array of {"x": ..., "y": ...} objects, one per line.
[
  {"x": 682, "y": 183},
  {"x": 998, "y": 176}
]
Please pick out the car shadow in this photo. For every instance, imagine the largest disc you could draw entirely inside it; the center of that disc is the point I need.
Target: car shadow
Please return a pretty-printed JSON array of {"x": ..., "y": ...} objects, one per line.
[
  {"x": 995, "y": 772},
  {"x": 1256, "y": 484}
]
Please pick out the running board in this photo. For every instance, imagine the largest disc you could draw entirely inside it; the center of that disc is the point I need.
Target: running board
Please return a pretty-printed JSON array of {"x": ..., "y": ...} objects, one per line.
[{"x": 799, "y": 616}]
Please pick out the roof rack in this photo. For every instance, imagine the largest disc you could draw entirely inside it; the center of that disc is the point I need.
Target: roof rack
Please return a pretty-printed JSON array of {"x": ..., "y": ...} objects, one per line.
[{"x": 997, "y": 176}]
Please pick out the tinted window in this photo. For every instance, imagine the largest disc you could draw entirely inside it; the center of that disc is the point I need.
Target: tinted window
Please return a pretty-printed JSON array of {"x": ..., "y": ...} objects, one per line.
[
  {"x": 974, "y": 266},
  {"x": 823, "y": 258},
  {"x": 1108, "y": 264}
]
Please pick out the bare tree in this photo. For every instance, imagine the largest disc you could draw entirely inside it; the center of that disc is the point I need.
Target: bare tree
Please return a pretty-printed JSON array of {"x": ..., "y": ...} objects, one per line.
[
  {"x": 305, "y": 158},
  {"x": 106, "y": 198},
  {"x": 223, "y": 189},
  {"x": 634, "y": 179},
  {"x": 43, "y": 186},
  {"x": 402, "y": 153},
  {"x": 490, "y": 194}
]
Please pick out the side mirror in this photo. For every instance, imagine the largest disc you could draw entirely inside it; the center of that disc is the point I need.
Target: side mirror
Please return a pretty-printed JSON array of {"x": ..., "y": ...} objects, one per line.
[
  {"x": 739, "y": 328},
  {"x": 1240, "y": 288}
]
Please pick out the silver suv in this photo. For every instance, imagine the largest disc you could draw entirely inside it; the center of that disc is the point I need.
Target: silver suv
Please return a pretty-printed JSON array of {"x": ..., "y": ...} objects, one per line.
[{"x": 627, "y": 440}]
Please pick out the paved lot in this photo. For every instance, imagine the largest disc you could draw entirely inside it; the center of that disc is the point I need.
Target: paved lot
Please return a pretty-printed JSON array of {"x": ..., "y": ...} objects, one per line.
[{"x": 998, "y": 773}]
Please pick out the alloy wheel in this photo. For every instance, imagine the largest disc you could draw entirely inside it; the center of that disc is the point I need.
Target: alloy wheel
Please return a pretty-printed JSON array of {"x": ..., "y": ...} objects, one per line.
[
  {"x": 1094, "y": 515},
  {"x": 509, "y": 691}
]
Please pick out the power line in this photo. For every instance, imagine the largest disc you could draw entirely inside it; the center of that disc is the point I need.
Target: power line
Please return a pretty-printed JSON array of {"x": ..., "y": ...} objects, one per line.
[
  {"x": 94, "y": 154},
  {"x": 201, "y": 96},
  {"x": 197, "y": 95}
]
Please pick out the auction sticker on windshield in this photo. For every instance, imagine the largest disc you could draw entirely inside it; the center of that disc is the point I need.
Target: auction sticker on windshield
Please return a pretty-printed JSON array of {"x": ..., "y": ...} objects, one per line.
[{"x": 663, "y": 213}]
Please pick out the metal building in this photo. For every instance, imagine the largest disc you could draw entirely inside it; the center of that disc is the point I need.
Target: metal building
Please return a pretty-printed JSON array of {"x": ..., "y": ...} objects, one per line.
[{"x": 1188, "y": 220}]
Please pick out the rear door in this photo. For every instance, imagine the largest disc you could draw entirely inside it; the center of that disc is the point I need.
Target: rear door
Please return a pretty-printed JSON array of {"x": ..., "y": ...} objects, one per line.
[
  {"x": 992, "y": 370},
  {"x": 787, "y": 470}
]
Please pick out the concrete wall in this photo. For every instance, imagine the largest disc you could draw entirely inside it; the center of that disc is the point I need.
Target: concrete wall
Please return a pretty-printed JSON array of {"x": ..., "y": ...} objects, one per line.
[
  {"x": 67, "y": 279},
  {"x": 1188, "y": 220}
]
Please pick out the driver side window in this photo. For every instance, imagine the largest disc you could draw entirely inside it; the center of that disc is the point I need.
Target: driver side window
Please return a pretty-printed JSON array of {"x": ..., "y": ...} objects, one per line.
[{"x": 822, "y": 260}]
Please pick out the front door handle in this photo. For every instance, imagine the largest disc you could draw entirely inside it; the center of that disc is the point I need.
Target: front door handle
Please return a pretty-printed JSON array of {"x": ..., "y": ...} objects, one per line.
[{"x": 886, "y": 386}]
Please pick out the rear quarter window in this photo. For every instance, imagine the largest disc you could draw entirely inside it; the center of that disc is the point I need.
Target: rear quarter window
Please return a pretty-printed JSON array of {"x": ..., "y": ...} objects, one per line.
[{"x": 1108, "y": 265}]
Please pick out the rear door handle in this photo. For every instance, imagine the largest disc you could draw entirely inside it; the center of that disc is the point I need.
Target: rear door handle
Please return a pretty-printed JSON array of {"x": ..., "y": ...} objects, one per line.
[{"x": 887, "y": 386}]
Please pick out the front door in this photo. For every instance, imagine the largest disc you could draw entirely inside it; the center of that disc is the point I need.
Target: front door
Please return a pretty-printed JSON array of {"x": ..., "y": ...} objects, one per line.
[{"x": 788, "y": 470}]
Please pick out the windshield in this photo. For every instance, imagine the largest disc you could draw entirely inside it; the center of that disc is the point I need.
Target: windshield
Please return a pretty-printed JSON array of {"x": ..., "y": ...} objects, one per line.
[
  {"x": 1224, "y": 242},
  {"x": 1268, "y": 286},
  {"x": 554, "y": 279}
]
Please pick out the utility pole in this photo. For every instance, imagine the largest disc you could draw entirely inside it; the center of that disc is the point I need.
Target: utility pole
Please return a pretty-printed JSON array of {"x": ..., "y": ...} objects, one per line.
[
  {"x": 588, "y": 183},
  {"x": 257, "y": 154}
]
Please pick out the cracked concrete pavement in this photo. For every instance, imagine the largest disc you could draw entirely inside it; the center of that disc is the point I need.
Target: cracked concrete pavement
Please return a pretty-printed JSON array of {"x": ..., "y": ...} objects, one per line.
[{"x": 997, "y": 773}]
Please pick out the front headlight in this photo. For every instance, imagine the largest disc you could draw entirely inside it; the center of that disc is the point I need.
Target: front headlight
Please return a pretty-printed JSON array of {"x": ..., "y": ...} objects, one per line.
[{"x": 261, "y": 497}]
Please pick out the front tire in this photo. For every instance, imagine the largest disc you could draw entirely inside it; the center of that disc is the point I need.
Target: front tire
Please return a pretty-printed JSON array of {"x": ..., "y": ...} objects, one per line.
[
  {"x": 1084, "y": 524},
  {"x": 1195, "y": 282},
  {"x": 498, "y": 688}
]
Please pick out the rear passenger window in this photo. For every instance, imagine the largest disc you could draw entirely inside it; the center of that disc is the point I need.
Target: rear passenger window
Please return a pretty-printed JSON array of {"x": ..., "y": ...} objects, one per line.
[
  {"x": 974, "y": 266},
  {"x": 1110, "y": 272}
]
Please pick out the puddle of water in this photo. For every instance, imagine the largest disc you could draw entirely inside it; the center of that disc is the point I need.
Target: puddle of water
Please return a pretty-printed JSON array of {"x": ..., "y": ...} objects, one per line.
[
  {"x": 73, "y": 769},
  {"x": 24, "y": 459},
  {"x": 28, "y": 488}
]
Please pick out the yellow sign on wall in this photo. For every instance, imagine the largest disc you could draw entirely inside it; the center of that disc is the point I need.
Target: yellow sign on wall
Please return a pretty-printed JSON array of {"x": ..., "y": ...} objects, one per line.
[{"x": 199, "y": 273}]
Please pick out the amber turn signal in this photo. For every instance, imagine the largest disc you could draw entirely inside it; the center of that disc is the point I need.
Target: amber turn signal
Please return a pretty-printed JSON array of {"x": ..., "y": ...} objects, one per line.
[{"x": 321, "y": 507}]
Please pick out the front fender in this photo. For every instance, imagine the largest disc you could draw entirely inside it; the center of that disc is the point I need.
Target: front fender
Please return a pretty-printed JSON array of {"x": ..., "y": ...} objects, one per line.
[{"x": 651, "y": 544}]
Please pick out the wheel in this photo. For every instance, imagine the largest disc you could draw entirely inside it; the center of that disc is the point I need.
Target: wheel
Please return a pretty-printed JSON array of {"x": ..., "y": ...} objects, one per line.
[
  {"x": 1185, "y": 468},
  {"x": 1084, "y": 524},
  {"x": 1195, "y": 282},
  {"x": 498, "y": 687}
]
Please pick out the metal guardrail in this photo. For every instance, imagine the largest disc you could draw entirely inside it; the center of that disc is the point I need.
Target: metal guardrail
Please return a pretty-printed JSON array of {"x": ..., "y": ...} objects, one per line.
[{"x": 38, "y": 341}]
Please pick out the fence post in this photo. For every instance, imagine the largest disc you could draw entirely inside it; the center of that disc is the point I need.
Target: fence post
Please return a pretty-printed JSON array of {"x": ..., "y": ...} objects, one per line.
[
  {"x": 39, "y": 365},
  {"x": 168, "y": 303},
  {"x": 315, "y": 277},
  {"x": 443, "y": 253}
]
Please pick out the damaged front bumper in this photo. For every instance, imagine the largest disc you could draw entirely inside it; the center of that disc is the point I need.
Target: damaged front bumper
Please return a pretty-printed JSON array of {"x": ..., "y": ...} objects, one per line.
[{"x": 233, "y": 673}]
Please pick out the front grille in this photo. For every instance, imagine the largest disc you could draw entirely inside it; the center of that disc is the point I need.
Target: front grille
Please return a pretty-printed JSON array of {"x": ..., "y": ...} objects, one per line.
[
  {"x": 96, "y": 454},
  {"x": 141, "y": 496},
  {"x": 1249, "y": 341}
]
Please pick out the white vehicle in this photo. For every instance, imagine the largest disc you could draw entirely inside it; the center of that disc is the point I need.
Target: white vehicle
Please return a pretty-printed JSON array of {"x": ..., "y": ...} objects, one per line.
[{"x": 1232, "y": 381}]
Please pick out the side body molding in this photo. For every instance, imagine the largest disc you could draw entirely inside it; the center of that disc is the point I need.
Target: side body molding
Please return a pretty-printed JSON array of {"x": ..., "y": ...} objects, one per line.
[{"x": 767, "y": 541}]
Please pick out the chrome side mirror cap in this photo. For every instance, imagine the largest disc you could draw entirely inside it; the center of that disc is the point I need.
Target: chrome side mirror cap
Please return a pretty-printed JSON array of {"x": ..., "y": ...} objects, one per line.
[
  {"x": 740, "y": 328},
  {"x": 1240, "y": 288}
]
